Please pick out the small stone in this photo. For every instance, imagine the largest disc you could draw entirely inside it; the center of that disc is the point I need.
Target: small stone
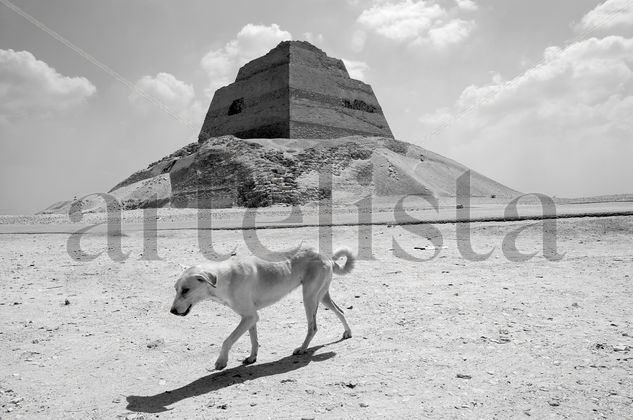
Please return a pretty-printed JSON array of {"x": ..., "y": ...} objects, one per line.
[
  {"x": 156, "y": 343},
  {"x": 620, "y": 347},
  {"x": 554, "y": 403},
  {"x": 66, "y": 302},
  {"x": 364, "y": 405},
  {"x": 464, "y": 376}
]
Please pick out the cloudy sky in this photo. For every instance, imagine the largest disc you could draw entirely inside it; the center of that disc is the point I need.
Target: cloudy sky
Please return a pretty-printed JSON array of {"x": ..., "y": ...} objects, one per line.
[{"x": 535, "y": 94}]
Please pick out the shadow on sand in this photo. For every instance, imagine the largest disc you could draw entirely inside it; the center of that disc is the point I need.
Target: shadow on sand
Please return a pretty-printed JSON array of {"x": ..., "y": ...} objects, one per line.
[{"x": 218, "y": 380}]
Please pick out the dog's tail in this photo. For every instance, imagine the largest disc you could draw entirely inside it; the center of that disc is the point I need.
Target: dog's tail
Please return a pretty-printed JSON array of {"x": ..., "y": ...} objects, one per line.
[{"x": 349, "y": 263}]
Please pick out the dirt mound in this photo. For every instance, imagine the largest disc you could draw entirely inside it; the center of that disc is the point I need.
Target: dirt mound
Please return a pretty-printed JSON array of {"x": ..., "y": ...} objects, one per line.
[{"x": 231, "y": 172}]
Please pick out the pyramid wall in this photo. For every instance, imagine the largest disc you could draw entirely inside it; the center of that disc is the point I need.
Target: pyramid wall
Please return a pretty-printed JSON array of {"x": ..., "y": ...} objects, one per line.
[{"x": 295, "y": 91}]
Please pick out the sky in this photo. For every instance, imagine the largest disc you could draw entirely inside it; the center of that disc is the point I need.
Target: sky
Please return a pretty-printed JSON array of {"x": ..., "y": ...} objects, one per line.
[{"x": 537, "y": 94}]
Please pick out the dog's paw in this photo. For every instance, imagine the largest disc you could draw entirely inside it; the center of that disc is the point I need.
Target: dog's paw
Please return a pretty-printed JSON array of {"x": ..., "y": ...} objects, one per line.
[
  {"x": 220, "y": 364},
  {"x": 347, "y": 334},
  {"x": 249, "y": 360},
  {"x": 299, "y": 350}
]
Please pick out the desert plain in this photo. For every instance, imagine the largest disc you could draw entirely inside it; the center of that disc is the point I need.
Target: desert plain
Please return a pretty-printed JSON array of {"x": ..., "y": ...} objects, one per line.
[{"x": 437, "y": 333}]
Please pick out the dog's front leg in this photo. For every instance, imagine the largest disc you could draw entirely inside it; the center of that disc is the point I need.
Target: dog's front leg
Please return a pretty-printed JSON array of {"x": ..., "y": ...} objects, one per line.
[
  {"x": 254, "y": 346},
  {"x": 245, "y": 324}
]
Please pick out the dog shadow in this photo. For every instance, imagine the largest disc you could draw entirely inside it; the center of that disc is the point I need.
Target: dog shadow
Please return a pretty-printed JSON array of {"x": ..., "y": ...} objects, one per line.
[{"x": 222, "y": 379}]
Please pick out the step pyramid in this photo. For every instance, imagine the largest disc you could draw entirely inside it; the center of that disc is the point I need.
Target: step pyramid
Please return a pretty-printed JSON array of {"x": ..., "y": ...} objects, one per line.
[{"x": 295, "y": 91}]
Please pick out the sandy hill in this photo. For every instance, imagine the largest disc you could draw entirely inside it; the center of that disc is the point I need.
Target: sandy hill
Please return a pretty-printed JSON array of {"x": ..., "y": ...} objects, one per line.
[{"x": 231, "y": 172}]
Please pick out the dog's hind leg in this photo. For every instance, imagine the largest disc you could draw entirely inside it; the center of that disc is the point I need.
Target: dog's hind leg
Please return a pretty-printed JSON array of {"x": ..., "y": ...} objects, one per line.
[
  {"x": 247, "y": 322},
  {"x": 311, "y": 296},
  {"x": 254, "y": 346},
  {"x": 329, "y": 303}
]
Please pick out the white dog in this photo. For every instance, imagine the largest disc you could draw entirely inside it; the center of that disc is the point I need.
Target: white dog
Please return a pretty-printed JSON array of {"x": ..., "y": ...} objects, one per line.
[{"x": 249, "y": 284}]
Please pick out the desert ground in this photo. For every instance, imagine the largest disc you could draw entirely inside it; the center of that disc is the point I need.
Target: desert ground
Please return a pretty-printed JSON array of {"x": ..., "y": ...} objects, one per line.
[{"x": 92, "y": 337}]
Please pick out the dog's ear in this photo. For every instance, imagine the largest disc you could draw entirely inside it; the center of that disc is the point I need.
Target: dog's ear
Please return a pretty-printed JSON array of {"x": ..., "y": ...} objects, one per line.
[{"x": 209, "y": 278}]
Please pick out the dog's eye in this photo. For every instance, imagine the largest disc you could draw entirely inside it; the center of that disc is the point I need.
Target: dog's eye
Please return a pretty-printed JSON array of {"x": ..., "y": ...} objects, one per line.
[{"x": 184, "y": 291}]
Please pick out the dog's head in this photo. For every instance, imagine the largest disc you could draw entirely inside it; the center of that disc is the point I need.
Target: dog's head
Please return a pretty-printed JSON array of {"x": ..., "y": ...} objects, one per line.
[{"x": 193, "y": 286}]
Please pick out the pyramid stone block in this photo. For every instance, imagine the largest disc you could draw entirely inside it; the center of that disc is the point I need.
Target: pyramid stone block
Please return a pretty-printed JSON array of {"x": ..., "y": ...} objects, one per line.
[{"x": 295, "y": 91}]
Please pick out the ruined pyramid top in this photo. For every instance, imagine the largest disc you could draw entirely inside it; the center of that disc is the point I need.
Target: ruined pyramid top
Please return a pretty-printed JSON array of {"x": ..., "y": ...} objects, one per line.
[{"x": 295, "y": 91}]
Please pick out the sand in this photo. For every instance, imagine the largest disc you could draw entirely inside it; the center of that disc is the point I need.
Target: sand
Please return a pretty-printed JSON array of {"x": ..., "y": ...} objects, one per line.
[{"x": 446, "y": 338}]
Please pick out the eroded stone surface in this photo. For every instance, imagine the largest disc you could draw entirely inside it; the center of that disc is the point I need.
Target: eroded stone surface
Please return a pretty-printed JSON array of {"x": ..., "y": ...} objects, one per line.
[
  {"x": 294, "y": 91},
  {"x": 230, "y": 172}
]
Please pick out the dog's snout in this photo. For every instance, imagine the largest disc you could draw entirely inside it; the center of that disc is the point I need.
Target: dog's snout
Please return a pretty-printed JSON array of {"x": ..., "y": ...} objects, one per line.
[{"x": 174, "y": 311}]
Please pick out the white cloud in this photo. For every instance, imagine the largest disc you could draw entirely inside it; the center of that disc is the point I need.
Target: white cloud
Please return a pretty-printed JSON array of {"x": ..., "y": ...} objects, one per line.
[
  {"x": 175, "y": 95},
  {"x": 608, "y": 15},
  {"x": 313, "y": 38},
  {"x": 563, "y": 127},
  {"x": 469, "y": 5},
  {"x": 419, "y": 22},
  {"x": 454, "y": 32},
  {"x": 356, "y": 69},
  {"x": 401, "y": 21},
  {"x": 31, "y": 88},
  {"x": 251, "y": 42}
]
